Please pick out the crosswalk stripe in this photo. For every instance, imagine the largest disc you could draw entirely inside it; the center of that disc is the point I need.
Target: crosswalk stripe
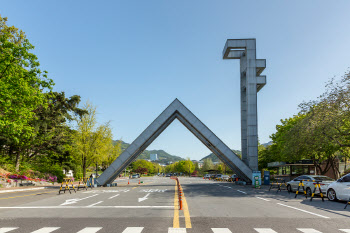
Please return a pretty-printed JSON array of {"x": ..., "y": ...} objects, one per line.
[
  {"x": 345, "y": 230},
  {"x": 265, "y": 230},
  {"x": 176, "y": 230},
  {"x": 221, "y": 230},
  {"x": 90, "y": 230},
  {"x": 46, "y": 230},
  {"x": 308, "y": 230},
  {"x": 7, "y": 229},
  {"x": 133, "y": 230}
]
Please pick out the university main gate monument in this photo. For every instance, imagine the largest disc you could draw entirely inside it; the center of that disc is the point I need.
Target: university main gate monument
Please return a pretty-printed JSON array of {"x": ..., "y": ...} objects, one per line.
[{"x": 251, "y": 83}]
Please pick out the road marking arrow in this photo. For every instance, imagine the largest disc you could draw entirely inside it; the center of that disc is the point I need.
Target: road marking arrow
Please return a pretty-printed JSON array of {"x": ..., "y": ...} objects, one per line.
[{"x": 144, "y": 198}]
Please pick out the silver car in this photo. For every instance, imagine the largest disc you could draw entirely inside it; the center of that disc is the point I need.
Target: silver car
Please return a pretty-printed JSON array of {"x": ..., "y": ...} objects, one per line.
[{"x": 309, "y": 184}]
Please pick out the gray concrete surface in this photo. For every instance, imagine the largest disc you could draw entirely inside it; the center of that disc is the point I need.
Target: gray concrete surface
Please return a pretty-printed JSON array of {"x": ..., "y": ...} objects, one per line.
[
  {"x": 251, "y": 84},
  {"x": 150, "y": 207},
  {"x": 176, "y": 110}
]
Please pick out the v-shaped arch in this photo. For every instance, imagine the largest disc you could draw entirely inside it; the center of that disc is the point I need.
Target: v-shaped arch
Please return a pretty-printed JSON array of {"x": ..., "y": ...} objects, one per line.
[{"x": 176, "y": 110}]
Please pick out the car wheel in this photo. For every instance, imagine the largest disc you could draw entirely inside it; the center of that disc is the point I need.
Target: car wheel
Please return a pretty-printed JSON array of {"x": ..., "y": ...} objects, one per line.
[
  {"x": 332, "y": 196},
  {"x": 289, "y": 188},
  {"x": 308, "y": 192}
]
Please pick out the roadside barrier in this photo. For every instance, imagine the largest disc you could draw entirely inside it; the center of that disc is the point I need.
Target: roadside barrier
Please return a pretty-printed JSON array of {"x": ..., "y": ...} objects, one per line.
[
  {"x": 67, "y": 181},
  {"x": 301, "y": 184},
  {"x": 317, "y": 185},
  {"x": 279, "y": 184},
  {"x": 83, "y": 183}
]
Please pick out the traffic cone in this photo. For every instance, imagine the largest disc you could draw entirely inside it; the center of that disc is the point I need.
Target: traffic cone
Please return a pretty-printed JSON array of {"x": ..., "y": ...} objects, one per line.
[
  {"x": 139, "y": 182},
  {"x": 128, "y": 181}
]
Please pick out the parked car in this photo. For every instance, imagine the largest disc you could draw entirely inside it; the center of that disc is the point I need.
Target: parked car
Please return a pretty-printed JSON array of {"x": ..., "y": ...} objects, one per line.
[
  {"x": 135, "y": 176},
  {"x": 309, "y": 184},
  {"x": 168, "y": 175},
  {"x": 207, "y": 176},
  {"x": 340, "y": 189}
]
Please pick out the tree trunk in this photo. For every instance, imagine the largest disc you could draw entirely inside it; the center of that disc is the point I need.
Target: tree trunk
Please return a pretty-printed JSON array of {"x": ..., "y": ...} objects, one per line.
[
  {"x": 84, "y": 168},
  {"x": 18, "y": 160},
  {"x": 96, "y": 169}
]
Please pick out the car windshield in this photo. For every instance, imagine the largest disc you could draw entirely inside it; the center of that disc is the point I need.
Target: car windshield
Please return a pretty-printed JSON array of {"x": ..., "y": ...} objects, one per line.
[{"x": 323, "y": 178}]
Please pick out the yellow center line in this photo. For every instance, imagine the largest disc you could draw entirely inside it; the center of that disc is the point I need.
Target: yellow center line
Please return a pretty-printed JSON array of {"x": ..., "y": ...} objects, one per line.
[
  {"x": 26, "y": 195},
  {"x": 176, "y": 221},
  {"x": 186, "y": 211}
]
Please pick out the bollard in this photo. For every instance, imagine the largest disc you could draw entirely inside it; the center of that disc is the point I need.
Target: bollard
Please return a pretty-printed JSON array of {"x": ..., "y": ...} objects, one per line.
[{"x": 180, "y": 198}]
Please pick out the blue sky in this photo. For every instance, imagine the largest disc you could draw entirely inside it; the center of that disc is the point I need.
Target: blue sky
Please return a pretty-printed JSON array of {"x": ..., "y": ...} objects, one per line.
[{"x": 133, "y": 58}]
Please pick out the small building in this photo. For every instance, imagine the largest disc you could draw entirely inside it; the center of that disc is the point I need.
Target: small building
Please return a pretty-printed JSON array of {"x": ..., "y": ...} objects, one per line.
[
  {"x": 289, "y": 171},
  {"x": 153, "y": 157},
  {"x": 68, "y": 173},
  {"x": 200, "y": 163}
]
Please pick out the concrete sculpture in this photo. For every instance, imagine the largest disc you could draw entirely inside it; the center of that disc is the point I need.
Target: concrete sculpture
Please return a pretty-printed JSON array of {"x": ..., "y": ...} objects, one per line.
[
  {"x": 176, "y": 110},
  {"x": 251, "y": 83}
]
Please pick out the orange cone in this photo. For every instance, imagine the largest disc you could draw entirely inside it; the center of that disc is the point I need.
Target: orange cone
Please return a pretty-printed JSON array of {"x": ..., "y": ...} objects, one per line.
[
  {"x": 128, "y": 181},
  {"x": 139, "y": 182}
]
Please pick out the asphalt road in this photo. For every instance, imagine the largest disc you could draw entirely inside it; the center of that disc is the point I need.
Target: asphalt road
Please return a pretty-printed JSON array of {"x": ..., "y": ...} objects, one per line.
[{"x": 152, "y": 207}]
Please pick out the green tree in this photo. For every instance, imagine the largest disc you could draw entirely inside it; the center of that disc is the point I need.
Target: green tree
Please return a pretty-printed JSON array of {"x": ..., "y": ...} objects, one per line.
[
  {"x": 207, "y": 165},
  {"x": 188, "y": 167},
  {"x": 22, "y": 86},
  {"x": 141, "y": 163},
  {"x": 92, "y": 142}
]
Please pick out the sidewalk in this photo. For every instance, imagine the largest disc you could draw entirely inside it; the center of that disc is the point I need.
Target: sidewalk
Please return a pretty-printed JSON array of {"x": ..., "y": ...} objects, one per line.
[{"x": 31, "y": 188}]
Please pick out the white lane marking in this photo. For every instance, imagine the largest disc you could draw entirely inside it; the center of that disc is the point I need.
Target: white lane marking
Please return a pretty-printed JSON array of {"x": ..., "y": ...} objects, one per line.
[
  {"x": 262, "y": 198},
  {"x": 86, "y": 207},
  {"x": 113, "y": 196},
  {"x": 133, "y": 230},
  {"x": 345, "y": 230},
  {"x": 20, "y": 190},
  {"x": 46, "y": 230},
  {"x": 176, "y": 230},
  {"x": 73, "y": 201},
  {"x": 308, "y": 230},
  {"x": 90, "y": 230},
  {"x": 241, "y": 191},
  {"x": 302, "y": 210},
  {"x": 7, "y": 229},
  {"x": 153, "y": 190},
  {"x": 143, "y": 198},
  {"x": 265, "y": 230},
  {"x": 221, "y": 230},
  {"x": 107, "y": 191},
  {"x": 94, "y": 204}
]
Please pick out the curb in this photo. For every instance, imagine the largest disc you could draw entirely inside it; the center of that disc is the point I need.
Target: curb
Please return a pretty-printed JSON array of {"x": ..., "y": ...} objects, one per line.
[{"x": 28, "y": 189}]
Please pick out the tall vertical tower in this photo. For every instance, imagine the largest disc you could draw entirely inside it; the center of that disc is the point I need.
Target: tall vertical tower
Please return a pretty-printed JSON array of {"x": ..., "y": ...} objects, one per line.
[{"x": 251, "y": 84}]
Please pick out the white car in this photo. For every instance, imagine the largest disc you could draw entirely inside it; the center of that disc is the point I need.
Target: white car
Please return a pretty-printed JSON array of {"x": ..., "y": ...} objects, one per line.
[
  {"x": 309, "y": 184},
  {"x": 340, "y": 189},
  {"x": 207, "y": 176}
]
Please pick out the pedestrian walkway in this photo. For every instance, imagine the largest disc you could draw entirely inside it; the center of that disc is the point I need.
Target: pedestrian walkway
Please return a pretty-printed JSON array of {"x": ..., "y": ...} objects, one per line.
[{"x": 170, "y": 230}]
